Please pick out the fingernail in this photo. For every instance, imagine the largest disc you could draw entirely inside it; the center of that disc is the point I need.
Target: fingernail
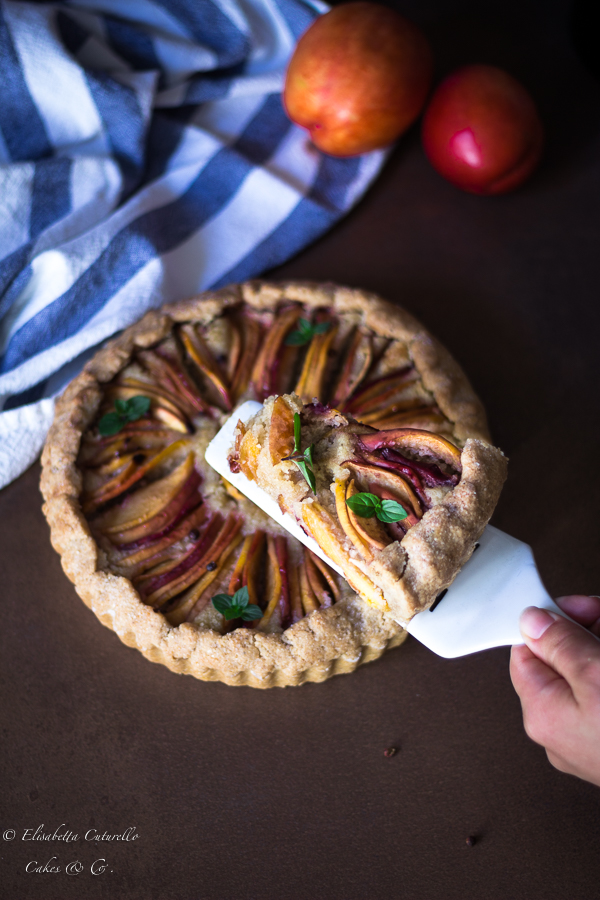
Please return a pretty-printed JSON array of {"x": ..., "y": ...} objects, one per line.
[{"x": 534, "y": 622}]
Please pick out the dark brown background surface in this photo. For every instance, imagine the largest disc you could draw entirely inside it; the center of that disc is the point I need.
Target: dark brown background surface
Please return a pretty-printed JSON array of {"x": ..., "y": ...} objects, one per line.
[{"x": 239, "y": 794}]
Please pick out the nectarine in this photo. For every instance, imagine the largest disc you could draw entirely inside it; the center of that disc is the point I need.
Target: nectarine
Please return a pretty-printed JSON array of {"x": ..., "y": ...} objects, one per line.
[{"x": 358, "y": 78}]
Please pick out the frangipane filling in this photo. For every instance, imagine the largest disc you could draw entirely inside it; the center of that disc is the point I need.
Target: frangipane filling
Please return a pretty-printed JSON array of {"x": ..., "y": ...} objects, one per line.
[{"x": 192, "y": 546}]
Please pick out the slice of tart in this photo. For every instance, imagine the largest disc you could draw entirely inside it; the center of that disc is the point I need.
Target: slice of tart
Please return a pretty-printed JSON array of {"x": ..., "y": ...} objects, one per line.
[
  {"x": 399, "y": 510},
  {"x": 187, "y": 570}
]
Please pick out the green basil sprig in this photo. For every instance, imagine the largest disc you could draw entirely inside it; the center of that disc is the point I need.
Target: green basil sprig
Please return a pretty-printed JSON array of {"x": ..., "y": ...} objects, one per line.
[
  {"x": 125, "y": 411},
  {"x": 367, "y": 505},
  {"x": 237, "y": 606},
  {"x": 304, "y": 461},
  {"x": 305, "y": 332}
]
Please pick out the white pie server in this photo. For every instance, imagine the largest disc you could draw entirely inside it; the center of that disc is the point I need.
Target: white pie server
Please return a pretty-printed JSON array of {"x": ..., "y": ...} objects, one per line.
[{"x": 480, "y": 609}]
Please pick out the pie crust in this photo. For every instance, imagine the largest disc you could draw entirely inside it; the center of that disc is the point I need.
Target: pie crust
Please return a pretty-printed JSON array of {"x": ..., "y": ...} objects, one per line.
[{"x": 330, "y": 640}]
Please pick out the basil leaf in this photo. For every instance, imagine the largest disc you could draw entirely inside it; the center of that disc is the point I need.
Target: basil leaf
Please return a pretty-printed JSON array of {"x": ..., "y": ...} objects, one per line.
[
  {"x": 308, "y": 455},
  {"x": 301, "y": 335},
  {"x": 364, "y": 505},
  {"x": 308, "y": 474},
  {"x": 297, "y": 339},
  {"x": 297, "y": 432},
  {"x": 137, "y": 407},
  {"x": 109, "y": 424},
  {"x": 222, "y": 603},
  {"x": 252, "y": 612},
  {"x": 321, "y": 328},
  {"x": 233, "y": 612},
  {"x": 241, "y": 597},
  {"x": 391, "y": 511},
  {"x": 121, "y": 407}
]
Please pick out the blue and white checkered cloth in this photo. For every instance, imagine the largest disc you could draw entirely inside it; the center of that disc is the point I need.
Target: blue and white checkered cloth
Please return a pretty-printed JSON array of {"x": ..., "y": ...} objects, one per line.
[{"x": 144, "y": 156}]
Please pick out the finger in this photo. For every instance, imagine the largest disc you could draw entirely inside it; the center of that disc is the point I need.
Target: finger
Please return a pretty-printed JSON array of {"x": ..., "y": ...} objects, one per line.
[
  {"x": 545, "y": 696},
  {"x": 531, "y": 677},
  {"x": 565, "y": 647},
  {"x": 584, "y": 609}
]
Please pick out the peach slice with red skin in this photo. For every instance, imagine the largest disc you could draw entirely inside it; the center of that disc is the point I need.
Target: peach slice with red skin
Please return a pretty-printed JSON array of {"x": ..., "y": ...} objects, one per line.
[
  {"x": 314, "y": 369},
  {"x": 281, "y": 431},
  {"x": 167, "y": 585},
  {"x": 378, "y": 481},
  {"x": 151, "y": 554},
  {"x": 369, "y": 529},
  {"x": 252, "y": 335},
  {"x": 265, "y": 366},
  {"x": 193, "y": 601},
  {"x": 423, "y": 443},
  {"x": 171, "y": 371},
  {"x": 201, "y": 354},
  {"x": 357, "y": 363},
  {"x": 169, "y": 513},
  {"x": 132, "y": 475},
  {"x": 313, "y": 574},
  {"x": 276, "y": 583},
  {"x": 371, "y": 394},
  {"x": 149, "y": 501},
  {"x": 326, "y": 532},
  {"x": 343, "y": 514}
]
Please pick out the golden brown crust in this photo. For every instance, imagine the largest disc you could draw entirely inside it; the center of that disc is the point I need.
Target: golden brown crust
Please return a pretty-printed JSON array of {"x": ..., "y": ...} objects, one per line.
[{"x": 329, "y": 641}]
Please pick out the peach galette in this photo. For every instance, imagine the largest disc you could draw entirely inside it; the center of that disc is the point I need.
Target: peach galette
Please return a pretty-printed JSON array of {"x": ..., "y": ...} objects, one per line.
[
  {"x": 398, "y": 510},
  {"x": 183, "y": 567}
]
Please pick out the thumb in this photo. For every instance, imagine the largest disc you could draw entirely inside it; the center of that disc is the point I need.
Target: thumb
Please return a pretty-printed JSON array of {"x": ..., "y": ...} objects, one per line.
[{"x": 563, "y": 646}]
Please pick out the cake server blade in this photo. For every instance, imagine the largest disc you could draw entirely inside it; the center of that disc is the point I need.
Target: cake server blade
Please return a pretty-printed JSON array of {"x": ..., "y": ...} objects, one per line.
[{"x": 479, "y": 610}]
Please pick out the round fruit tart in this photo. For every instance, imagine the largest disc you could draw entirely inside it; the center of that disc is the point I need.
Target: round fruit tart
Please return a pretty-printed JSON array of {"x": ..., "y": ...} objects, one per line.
[{"x": 182, "y": 566}]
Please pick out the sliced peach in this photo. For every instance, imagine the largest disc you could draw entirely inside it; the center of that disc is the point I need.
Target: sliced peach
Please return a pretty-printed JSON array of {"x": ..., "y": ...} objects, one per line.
[
  {"x": 282, "y": 559},
  {"x": 189, "y": 605},
  {"x": 314, "y": 579},
  {"x": 373, "y": 391},
  {"x": 236, "y": 576},
  {"x": 173, "y": 566},
  {"x": 150, "y": 554},
  {"x": 149, "y": 501},
  {"x": 111, "y": 488},
  {"x": 343, "y": 515},
  {"x": 424, "y": 443},
  {"x": 312, "y": 376},
  {"x": 254, "y": 567},
  {"x": 376, "y": 480},
  {"x": 201, "y": 354},
  {"x": 114, "y": 465},
  {"x": 327, "y": 575},
  {"x": 171, "y": 419},
  {"x": 274, "y": 582},
  {"x": 357, "y": 363},
  {"x": 309, "y": 601},
  {"x": 168, "y": 585},
  {"x": 421, "y": 417},
  {"x": 369, "y": 529},
  {"x": 164, "y": 367},
  {"x": 325, "y": 531},
  {"x": 235, "y": 351},
  {"x": 110, "y": 491},
  {"x": 248, "y": 455},
  {"x": 265, "y": 365},
  {"x": 281, "y": 431},
  {"x": 128, "y": 387},
  {"x": 186, "y": 499},
  {"x": 252, "y": 336},
  {"x": 296, "y": 609}
]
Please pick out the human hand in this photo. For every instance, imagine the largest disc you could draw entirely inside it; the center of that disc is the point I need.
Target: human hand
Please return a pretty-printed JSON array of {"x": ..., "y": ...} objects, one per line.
[{"x": 556, "y": 674}]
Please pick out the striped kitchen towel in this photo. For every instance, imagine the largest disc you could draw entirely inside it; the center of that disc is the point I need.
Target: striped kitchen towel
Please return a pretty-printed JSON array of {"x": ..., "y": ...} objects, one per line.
[{"x": 144, "y": 156}]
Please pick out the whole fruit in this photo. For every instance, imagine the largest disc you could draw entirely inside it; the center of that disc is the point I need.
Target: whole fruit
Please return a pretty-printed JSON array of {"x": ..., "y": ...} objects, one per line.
[
  {"x": 482, "y": 131},
  {"x": 358, "y": 78}
]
